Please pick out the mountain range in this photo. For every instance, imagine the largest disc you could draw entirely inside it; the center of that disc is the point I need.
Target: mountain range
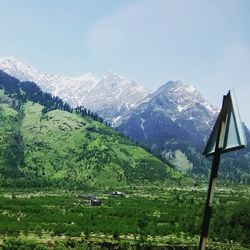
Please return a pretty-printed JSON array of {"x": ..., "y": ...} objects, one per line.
[
  {"x": 173, "y": 122},
  {"x": 174, "y": 105},
  {"x": 109, "y": 96}
]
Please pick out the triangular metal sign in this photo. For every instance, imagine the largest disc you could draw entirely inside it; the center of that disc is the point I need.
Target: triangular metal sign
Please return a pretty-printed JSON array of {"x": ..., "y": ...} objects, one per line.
[{"x": 228, "y": 133}]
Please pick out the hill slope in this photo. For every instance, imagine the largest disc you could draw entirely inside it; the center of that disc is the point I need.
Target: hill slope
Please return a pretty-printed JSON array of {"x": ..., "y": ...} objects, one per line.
[{"x": 64, "y": 149}]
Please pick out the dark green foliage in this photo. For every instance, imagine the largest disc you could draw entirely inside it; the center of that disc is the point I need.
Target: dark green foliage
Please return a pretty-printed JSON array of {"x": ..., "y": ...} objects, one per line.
[
  {"x": 11, "y": 141},
  {"x": 17, "y": 244},
  {"x": 231, "y": 221},
  {"x": 80, "y": 110},
  {"x": 14, "y": 154}
]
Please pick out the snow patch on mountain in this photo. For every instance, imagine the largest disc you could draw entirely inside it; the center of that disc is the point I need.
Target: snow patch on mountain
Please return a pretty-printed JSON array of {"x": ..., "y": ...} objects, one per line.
[
  {"x": 109, "y": 95},
  {"x": 178, "y": 105}
]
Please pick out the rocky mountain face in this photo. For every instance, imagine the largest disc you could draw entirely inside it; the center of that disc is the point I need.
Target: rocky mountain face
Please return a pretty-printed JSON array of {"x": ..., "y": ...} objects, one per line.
[
  {"x": 113, "y": 95},
  {"x": 108, "y": 96},
  {"x": 174, "y": 111},
  {"x": 175, "y": 122}
]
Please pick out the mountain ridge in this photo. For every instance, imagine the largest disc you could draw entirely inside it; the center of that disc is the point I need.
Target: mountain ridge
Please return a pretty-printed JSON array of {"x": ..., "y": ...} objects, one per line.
[
  {"x": 116, "y": 92},
  {"x": 181, "y": 103},
  {"x": 174, "y": 122}
]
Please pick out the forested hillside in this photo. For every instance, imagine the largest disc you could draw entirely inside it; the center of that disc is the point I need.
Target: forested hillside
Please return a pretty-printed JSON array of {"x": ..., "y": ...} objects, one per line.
[{"x": 46, "y": 143}]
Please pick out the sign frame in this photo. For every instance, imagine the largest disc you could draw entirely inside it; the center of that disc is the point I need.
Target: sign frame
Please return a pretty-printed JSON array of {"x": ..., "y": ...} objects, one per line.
[{"x": 229, "y": 114}]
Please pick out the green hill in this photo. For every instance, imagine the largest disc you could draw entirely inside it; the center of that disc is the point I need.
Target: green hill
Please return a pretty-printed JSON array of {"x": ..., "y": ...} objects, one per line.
[{"x": 60, "y": 148}]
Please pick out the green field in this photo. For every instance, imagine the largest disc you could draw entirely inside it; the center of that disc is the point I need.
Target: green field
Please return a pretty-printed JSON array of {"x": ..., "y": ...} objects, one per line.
[{"x": 148, "y": 217}]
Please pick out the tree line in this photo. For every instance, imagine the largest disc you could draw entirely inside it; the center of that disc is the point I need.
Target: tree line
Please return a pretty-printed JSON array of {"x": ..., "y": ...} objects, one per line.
[{"x": 24, "y": 91}]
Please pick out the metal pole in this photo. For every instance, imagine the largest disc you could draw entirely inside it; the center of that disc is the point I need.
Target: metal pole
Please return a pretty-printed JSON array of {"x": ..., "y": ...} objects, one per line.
[
  {"x": 213, "y": 176},
  {"x": 209, "y": 201}
]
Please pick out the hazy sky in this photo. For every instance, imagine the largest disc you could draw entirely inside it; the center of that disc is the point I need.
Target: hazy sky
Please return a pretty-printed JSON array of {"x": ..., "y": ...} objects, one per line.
[{"x": 206, "y": 43}]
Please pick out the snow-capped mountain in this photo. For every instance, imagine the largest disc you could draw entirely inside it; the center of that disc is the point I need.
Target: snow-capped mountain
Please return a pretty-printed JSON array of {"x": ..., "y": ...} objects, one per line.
[
  {"x": 178, "y": 100},
  {"x": 114, "y": 94},
  {"x": 120, "y": 100},
  {"x": 109, "y": 95},
  {"x": 175, "y": 110},
  {"x": 174, "y": 121},
  {"x": 169, "y": 121}
]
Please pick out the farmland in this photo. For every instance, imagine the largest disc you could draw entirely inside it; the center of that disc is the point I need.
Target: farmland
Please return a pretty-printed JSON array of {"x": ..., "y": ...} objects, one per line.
[{"x": 155, "y": 217}]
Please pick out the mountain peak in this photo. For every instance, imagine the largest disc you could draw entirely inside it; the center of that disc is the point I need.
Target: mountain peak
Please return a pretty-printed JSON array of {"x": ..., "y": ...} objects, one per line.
[
  {"x": 108, "y": 95},
  {"x": 181, "y": 96},
  {"x": 89, "y": 76},
  {"x": 112, "y": 75},
  {"x": 13, "y": 62},
  {"x": 173, "y": 86},
  {"x": 9, "y": 59},
  {"x": 18, "y": 69}
]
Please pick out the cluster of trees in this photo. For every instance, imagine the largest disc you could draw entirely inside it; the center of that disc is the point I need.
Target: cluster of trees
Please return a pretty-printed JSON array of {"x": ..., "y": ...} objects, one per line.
[
  {"x": 231, "y": 221},
  {"x": 13, "y": 155},
  {"x": 82, "y": 111}
]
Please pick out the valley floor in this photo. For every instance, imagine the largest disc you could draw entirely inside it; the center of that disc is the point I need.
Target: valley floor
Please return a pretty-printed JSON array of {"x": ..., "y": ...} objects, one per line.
[{"x": 148, "y": 217}]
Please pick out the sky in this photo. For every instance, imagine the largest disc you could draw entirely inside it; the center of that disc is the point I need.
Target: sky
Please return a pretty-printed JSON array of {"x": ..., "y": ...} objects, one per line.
[{"x": 203, "y": 42}]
